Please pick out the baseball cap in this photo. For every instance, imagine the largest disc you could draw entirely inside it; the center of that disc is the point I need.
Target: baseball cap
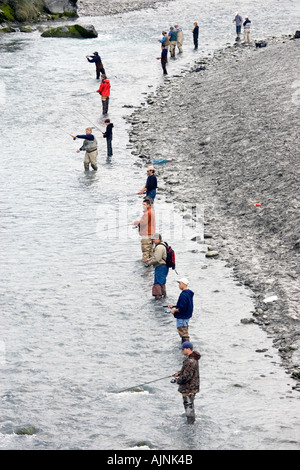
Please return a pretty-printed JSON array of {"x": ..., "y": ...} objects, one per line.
[
  {"x": 186, "y": 344},
  {"x": 184, "y": 280}
]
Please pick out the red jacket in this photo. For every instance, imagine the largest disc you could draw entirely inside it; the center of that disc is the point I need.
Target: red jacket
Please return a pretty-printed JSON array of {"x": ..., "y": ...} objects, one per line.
[{"x": 104, "y": 88}]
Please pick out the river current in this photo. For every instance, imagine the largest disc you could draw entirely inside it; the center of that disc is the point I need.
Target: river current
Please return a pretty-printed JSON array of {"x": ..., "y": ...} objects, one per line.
[{"x": 78, "y": 322}]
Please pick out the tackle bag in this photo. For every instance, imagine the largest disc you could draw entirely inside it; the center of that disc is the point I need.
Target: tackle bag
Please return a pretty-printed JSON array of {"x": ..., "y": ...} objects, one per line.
[{"x": 170, "y": 261}]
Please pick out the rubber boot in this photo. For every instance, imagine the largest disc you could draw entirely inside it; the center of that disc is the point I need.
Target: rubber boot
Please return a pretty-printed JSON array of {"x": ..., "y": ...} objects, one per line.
[
  {"x": 156, "y": 291},
  {"x": 163, "y": 290},
  {"x": 86, "y": 166},
  {"x": 188, "y": 403},
  {"x": 94, "y": 167}
]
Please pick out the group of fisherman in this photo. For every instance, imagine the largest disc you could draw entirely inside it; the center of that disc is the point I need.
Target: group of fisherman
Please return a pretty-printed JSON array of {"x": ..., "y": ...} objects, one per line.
[
  {"x": 172, "y": 39},
  {"x": 154, "y": 249},
  {"x": 155, "y": 253}
]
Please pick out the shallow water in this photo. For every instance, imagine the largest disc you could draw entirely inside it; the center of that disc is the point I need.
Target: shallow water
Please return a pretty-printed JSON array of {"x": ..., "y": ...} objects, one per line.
[{"x": 78, "y": 319}]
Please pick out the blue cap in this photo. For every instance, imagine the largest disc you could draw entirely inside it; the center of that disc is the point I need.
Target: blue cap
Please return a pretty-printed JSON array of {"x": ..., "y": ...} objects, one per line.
[{"x": 186, "y": 344}]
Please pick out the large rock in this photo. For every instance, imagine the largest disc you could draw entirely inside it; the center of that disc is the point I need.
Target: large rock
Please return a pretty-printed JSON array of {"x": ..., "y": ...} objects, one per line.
[
  {"x": 71, "y": 31},
  {"x": 61, "y": 6}
]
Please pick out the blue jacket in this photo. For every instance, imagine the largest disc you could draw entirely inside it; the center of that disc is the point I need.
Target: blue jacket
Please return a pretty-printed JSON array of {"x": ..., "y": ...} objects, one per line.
[
  {"x": 95, "y": 58},
  {"x": 185, "y": 304}
]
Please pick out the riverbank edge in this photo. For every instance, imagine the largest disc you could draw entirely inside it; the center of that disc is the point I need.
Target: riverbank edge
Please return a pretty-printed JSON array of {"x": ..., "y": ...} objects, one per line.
[
  {"x": 8, "y": 26},
  {"x": 285, "y": 333},
  {"x": 114, "y": 7}
]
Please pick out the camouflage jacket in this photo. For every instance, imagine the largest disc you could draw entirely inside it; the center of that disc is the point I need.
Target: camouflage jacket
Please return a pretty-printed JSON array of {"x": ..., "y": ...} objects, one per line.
[{"x": 189, "y": 378}]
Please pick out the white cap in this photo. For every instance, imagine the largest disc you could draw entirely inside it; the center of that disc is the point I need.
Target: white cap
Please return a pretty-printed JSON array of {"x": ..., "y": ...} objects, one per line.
[{"x": 184, "y": 280}]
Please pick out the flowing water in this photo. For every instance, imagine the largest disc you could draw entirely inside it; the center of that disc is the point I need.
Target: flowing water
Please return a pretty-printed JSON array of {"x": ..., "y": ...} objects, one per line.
[{"x": 78, "y": 321}]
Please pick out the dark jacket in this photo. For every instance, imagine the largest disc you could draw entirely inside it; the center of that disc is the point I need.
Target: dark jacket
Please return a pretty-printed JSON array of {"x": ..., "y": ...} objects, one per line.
[
  {"x": 99, "y": 66},
  {"x": 164, "y": 56},
  {"x": 90, "y": 142},
  {"x": 185, "y": 304},
  {"x": 151, "y": 183},
  {"x": 108, "y": 133},
  {"x": 189, "y": 377},
  {"x": 95, "y": 58}
]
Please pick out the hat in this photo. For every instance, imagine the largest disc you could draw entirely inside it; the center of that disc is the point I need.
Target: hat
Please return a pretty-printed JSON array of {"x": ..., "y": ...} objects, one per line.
[
  {"x": 184, "y": 280},
  {"x": 186, "y": 345},
  {"x": 155, "y": 235},
  {"x": 95, "y": 53},
  {"x": 151, "y": 167}
]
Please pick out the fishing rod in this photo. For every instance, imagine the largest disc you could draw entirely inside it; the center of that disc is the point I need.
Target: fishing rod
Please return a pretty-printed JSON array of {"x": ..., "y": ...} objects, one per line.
[
  {"x": 67, "y": 132},
  {"x": 106, "y": 230},
  {"x": 146, "y": 383},
  {"x": 107, "y": 262},
  {"x": 83, "y": 94},
  {"x": 89, "y": 121}
]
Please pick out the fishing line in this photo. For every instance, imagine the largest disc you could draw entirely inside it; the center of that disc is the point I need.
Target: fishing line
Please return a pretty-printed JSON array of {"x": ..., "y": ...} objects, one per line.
[
  {"x": 67, "y": 132},
  {"x": 83, "y": 94},
  {"x": 89, "y": 121},
  {"x": 145, "y": 383},
  {"x": 106, "y": 230}
]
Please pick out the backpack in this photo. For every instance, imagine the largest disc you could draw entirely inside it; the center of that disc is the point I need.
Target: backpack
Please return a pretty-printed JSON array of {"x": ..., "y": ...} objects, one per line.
[{"x": 170, "y": 261}]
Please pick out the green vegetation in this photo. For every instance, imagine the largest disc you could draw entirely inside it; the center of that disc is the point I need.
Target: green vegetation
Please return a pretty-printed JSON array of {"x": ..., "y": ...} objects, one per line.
[
  {"x": 29, "y": 430},
  {"x": 21, "y": 10},
  {"x": 71, "y": 31},
  {"x": 27, "y": 11},
  {"x": 7, "y": 13}
]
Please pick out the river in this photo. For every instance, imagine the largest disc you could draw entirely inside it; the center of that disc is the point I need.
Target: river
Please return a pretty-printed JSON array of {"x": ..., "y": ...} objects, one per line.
[{"x": 78, "y": 321}]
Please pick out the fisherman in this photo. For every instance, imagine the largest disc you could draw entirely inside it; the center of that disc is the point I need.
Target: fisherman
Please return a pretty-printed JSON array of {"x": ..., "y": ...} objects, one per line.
[
  {"x": 163, "y": 59},
  {"x": 172, "y": 36},
  {"x": 238, "y": 20},
  {"x": 165, "y": 39},
  {"x": 98, "y": 62},
  {"x": 183, "y": 310},
  {"x": 188, "y": 379},
  {"x": 151, "y": 183},
  {"x": 161, "y": 271},
  {"x": 246, "y": 25},
  {"x": 108, "y": 136},
  {"x": 179, "y": 41},
  {"x": 195, "y": 32},
  {"x": 90, "y": 145},
  {"x": 104, "y": 91},
  {"x": 147, "y": 227}
]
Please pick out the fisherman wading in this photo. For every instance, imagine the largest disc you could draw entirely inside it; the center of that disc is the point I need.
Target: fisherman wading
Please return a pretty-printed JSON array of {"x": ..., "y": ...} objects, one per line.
[
  {"x": 90, "y": 145},
  {"x": 188, "y": 379}
]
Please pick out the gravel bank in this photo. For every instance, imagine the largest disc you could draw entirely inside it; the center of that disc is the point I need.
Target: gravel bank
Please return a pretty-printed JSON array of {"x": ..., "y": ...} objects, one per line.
[{"x": 230, "y": 133}]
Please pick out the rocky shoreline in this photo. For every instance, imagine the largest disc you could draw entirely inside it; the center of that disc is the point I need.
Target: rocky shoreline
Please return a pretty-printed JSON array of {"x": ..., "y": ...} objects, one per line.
[{"x": 228, "y": 129}]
